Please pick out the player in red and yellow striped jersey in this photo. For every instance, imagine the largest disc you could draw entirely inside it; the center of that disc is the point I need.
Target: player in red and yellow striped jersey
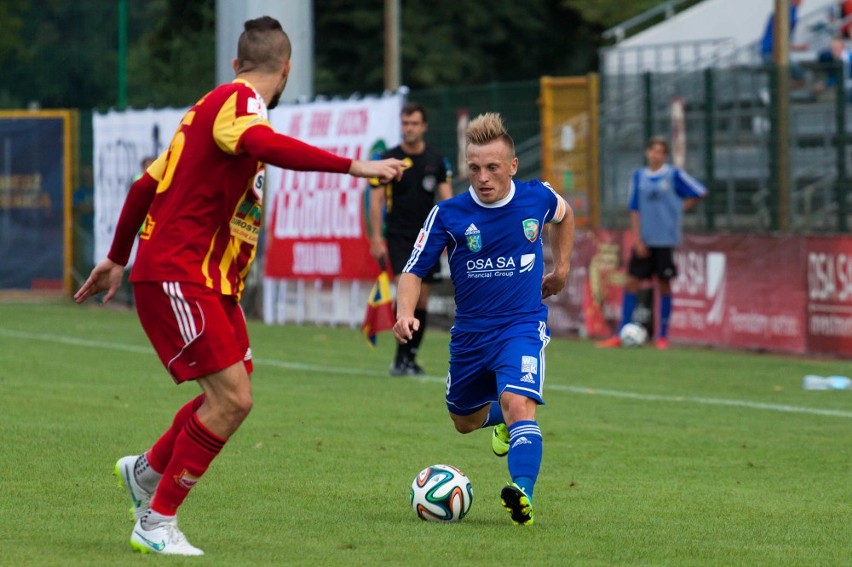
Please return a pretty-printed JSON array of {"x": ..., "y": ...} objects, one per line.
[{"x": 200, "y": 203}]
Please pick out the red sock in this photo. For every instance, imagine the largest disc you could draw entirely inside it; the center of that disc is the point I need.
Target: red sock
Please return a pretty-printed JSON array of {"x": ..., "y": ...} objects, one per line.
[
  {"x": 195, "y": 448},
  {"x": 161, "y": 453}
]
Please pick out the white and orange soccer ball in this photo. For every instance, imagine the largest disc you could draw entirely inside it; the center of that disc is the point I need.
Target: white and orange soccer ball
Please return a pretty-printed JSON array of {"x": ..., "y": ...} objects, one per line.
[{"x": 441, "y": 493}]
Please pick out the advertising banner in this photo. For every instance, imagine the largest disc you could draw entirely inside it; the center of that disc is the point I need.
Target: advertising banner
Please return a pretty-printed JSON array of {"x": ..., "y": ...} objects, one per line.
[
  {"x": 829, "y": 294},
  {"x": 316, "y": 221},
  {"x": 122, "y": 139},
  {"x": 35, "y": 193},
  {"x": 742, "y": 291}
]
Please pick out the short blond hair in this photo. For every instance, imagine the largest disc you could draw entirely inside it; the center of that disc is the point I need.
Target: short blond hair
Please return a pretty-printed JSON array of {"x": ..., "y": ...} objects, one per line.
[{"x": 487, "y": 128}]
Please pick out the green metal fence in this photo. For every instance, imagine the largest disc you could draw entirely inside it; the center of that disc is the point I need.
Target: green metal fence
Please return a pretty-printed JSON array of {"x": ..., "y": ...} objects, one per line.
[
  {"x": 517, "y": 102},
  {"x": 732, "y": 120}
]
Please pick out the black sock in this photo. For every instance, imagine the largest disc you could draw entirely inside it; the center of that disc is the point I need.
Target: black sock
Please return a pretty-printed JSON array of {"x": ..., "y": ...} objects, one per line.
[
  {"x": 422, "y": 316},
  {"x": 403, "y": 352}
]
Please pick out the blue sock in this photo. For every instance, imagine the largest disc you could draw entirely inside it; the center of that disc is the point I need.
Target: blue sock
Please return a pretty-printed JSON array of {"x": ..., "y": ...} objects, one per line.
[
  {"x": 495, "y": 415},
  {"x": 665, "y": 314},
  {"x": 525, "y": 450},
  {"x": 628, "y": 304}
]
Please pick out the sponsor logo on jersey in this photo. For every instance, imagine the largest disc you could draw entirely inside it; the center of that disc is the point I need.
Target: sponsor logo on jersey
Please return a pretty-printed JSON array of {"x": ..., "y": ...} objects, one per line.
[
  {"x": 529, "y": 364},
  {"x": 421, "y": 240},
  {"x": 528, "y": 378},
  {"x": 147, "y": 228},
  {"x": 257, "y": 184},
  {"x": 527, "y": 262},
  {"x": 531, "y": 229},
  {"x": 429, "y": 183},
  {"x": 474, "y": 238},
  {"x": 253, "y": 106},
  {"x": 501, "y": 266}
]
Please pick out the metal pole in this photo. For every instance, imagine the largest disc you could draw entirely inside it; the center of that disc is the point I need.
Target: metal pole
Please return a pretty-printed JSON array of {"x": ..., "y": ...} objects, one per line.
[
  {"x": 781, "y": 59},
  {"x": 393, "y": 65},
  {"x": 840, "y": 138},
  {"x": 709, "y": 146},
  {"x": 122, "y": 54},
  {"x": 649, "y": 107}
]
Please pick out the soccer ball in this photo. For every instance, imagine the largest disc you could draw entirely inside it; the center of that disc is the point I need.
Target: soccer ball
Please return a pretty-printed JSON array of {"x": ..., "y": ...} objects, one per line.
[
  {"x": 633, "y": 335},
  {"x": 441, "y": 493}
]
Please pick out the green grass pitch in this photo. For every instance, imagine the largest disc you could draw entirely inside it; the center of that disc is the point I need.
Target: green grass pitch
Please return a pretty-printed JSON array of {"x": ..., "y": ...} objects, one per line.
[{"x": 685, "y": 457}]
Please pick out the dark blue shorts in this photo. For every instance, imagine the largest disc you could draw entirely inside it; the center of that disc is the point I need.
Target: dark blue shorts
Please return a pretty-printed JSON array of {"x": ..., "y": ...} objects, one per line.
[{"x": 483, "y": 365}]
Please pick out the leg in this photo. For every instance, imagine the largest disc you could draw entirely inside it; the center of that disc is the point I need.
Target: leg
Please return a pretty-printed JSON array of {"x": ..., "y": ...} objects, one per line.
[
  {"x": 638, "y": 270},
  {"x": 665, "y": 312},
  {"x": 140, "y": 474},
  {"x": 227, "y": 402},
  {"x": 666, "y": 271},
  {"x": 420, "y": 311},
  {"x": 525, "y": 452},
  {"x": 199, "y": 335}
]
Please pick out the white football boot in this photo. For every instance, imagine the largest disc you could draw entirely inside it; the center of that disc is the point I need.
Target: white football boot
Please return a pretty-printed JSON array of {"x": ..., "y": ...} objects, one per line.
[{"x": 164, "y": 539}]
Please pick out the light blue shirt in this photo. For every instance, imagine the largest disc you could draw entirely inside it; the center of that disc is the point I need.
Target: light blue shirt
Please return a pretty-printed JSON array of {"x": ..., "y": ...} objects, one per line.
[{"x": 658, "y": 197}]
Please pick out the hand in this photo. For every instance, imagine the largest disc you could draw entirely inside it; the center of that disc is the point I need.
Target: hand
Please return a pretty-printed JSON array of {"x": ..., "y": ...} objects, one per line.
[
  {"x": 404, "y": 328},
  {"x": 378, "y": 249},
  {"x": 640, "y": 249},
  {"x": 385, "y": 170},
  {"x": 107, "y": 275},
  {"x": 552, "y": 283}
]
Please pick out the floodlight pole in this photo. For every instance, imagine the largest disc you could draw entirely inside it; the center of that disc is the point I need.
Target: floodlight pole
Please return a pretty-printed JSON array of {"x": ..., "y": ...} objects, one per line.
[
  {"x": 393, "y": 65},
  {"x": 122, "y": 54},
  {"x": 781, "y": 59}
]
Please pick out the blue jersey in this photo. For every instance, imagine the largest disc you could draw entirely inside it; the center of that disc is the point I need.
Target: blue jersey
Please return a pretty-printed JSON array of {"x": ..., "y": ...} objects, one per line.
[
  {"x": 495, "y": 254},
  {"x": 658, "y": 197}
]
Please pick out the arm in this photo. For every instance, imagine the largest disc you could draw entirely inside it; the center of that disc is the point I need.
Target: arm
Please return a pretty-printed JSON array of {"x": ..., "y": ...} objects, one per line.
[
  {"x": 378, "y": 246},
  {"x": 268, "y": 146},
  {"x": 561, "y": 245},
  {"x": 638, "y": 245},
  {"x": 689, "y": 189},
  {"x": 407, "y": 294},
  {"x": 107, "y": 275},
  {"x": 445, "y": 191}
]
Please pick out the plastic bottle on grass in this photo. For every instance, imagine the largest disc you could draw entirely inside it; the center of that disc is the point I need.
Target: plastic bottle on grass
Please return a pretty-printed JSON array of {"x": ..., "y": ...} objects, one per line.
[{"x": 814, "y": 382}]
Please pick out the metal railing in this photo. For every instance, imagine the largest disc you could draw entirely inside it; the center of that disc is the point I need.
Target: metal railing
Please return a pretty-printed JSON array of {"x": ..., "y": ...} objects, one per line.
[{"x": 668, "y": 9}]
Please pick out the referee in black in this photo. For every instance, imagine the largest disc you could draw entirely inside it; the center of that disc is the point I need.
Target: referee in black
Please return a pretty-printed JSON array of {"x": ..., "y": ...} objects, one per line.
[{"x": 405, "y": 205}]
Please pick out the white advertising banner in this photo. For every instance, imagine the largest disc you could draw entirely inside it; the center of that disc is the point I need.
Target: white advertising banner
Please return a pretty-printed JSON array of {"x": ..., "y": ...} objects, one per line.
[{"x": 122, "y": 139}]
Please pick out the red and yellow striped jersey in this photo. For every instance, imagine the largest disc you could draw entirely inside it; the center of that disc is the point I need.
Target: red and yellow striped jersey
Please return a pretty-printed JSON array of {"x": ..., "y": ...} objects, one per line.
[{"x": 203, "y": 222}]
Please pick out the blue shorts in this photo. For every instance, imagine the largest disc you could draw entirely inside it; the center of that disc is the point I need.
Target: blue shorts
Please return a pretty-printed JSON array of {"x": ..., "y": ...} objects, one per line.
[{"x": 483, "y": 365}]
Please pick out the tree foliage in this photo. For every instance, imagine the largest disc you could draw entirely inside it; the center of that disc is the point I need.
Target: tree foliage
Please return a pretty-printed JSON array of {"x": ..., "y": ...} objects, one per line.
[
  {"x": 55, "y": 53},
  {"x": 450, "y": 42}
]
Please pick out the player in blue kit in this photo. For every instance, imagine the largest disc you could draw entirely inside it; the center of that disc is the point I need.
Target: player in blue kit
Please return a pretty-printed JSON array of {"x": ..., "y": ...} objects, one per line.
[
  {"x": 659, "y": 193},
  {"x": 493, "y": 237}
]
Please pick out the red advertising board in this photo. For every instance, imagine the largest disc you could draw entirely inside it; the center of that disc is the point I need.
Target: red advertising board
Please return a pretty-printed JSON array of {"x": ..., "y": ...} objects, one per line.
[
  {"x": 741, "y": 291},
  {"x": 774, "y": 293},
  {"x": 316, "y": 221},
  {"x": 828, "y": 265}
]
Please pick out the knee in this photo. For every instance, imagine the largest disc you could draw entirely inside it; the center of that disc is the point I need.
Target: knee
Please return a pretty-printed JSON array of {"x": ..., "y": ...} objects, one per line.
[
  {"x": 236, "y": 408},
  {"x": 463, "y": 425},
  {"x": 518, "y": 408}
]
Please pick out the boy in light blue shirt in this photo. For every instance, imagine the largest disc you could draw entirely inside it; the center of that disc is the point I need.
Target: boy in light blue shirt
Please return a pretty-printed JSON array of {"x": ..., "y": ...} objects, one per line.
[{"x": 659, "y": 194}]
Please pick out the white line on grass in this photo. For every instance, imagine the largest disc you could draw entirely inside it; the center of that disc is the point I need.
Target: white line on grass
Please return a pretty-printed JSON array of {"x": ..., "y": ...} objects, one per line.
[{"x": 356, "y": 372}]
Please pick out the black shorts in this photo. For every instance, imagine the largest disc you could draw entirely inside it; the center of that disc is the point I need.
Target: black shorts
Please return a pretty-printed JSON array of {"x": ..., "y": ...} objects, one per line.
[
  {"x": 399, "y": 250},
  {"x": 659, "y": 262}
]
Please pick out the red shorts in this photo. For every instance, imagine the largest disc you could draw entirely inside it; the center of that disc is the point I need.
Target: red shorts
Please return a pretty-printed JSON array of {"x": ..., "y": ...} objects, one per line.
[{"x": 196, "y": 331}]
